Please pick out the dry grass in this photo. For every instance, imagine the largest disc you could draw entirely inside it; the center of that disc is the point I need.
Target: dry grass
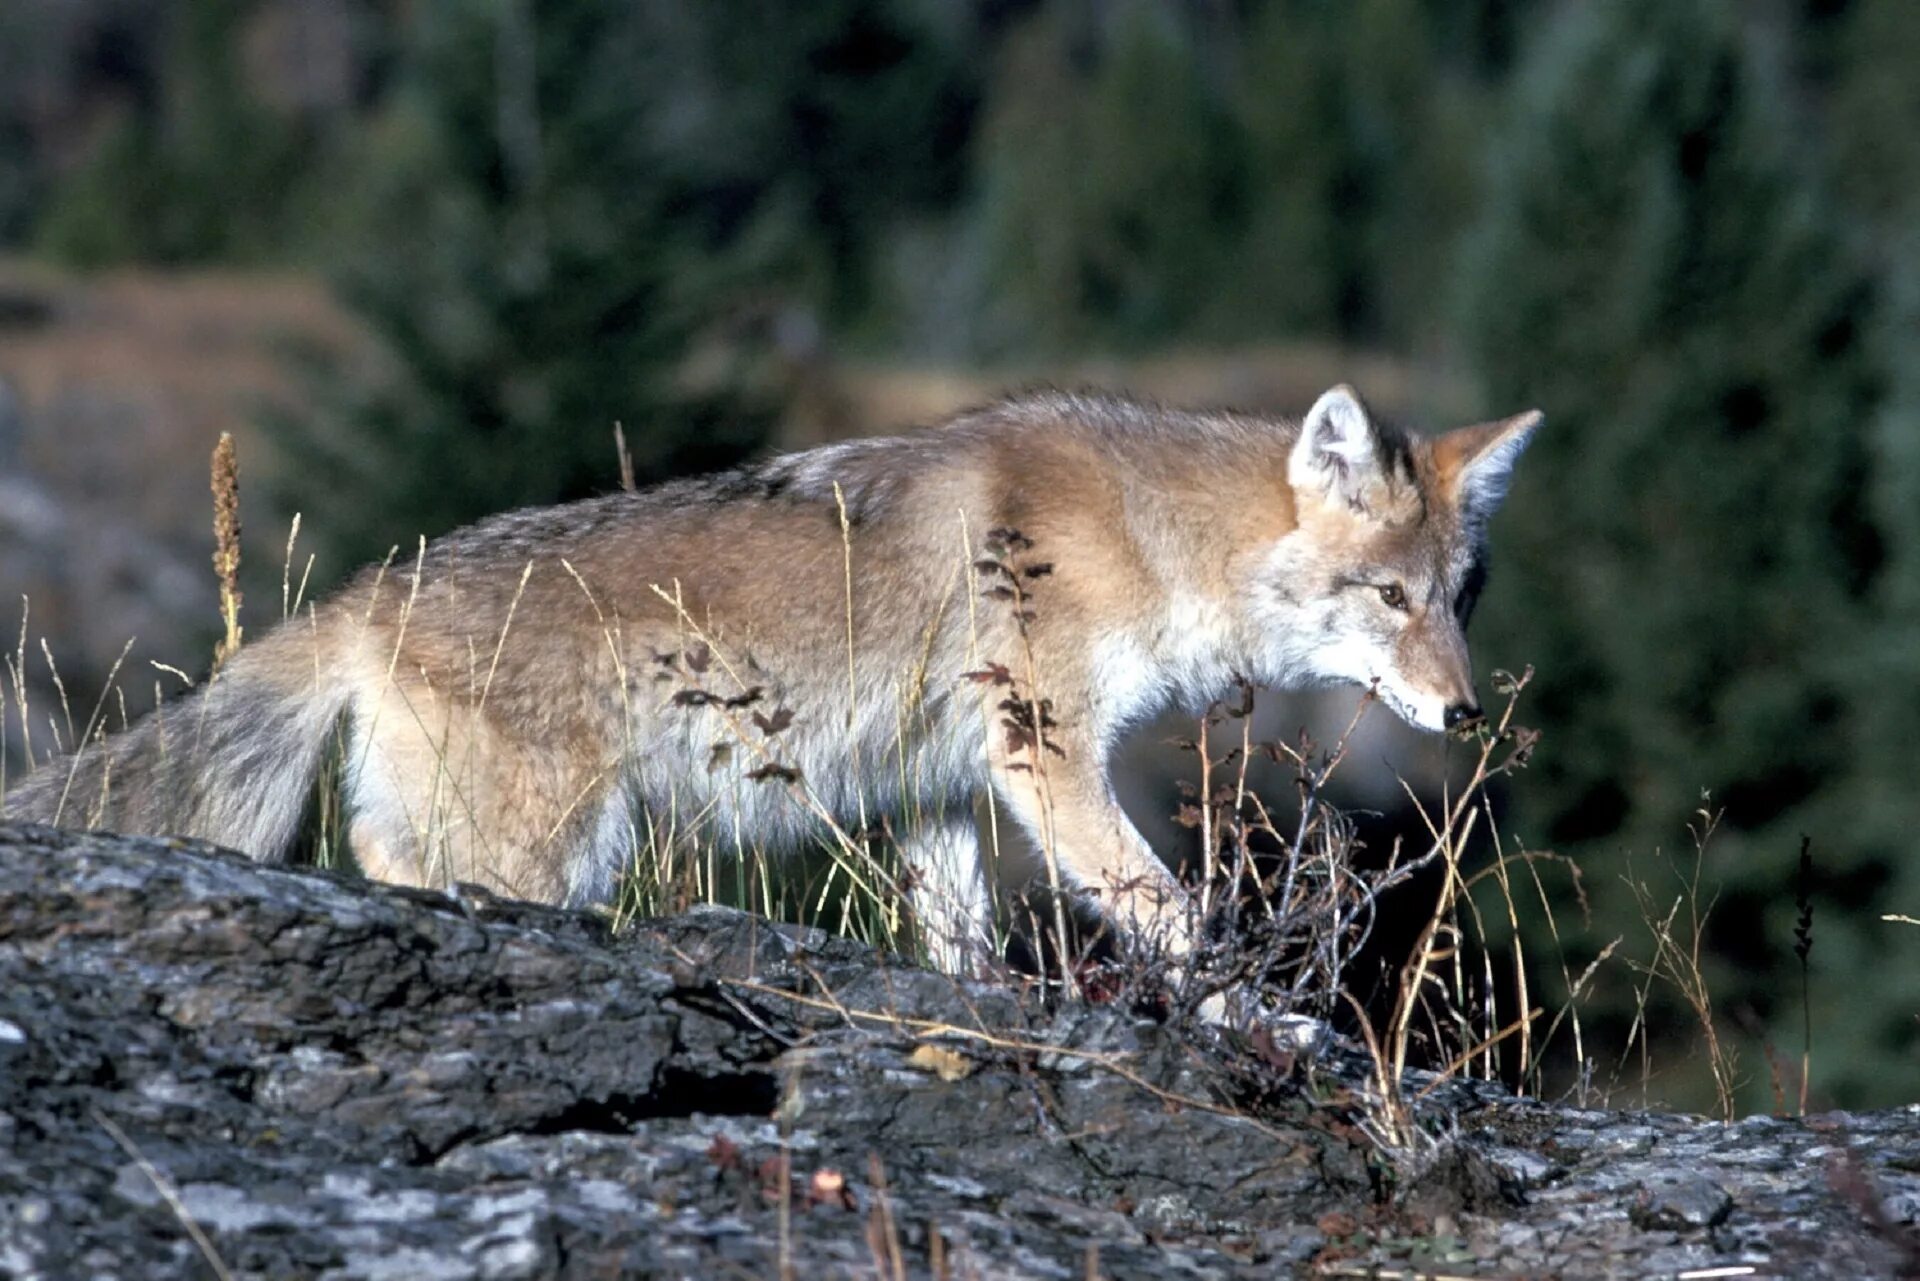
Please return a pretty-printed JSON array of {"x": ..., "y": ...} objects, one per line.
[
  {"x": 1677, "y": 929},
  {"x": 168, "y": 1193},
  {"x": 1279, "y": 889},
  {"x": 112, "y": 371},
  {"x": 1292, "y": 902},
  {"x": 226, "y": 546},
  {"x": 1280, "y": 894},
  {"x": 195, "y": 351}
]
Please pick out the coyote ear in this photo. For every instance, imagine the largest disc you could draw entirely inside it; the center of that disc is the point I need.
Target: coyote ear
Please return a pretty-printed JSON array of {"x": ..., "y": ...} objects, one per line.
[
  {"x": 1478, "y": 461},
  {"x": 1338, "y": 450}
]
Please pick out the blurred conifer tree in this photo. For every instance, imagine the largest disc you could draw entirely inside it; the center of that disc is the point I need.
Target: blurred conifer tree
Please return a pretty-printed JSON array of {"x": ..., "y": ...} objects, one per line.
[
  {"x": 1109, "y": 179},
  {"x": 576, "y": 213},
  {"x": 1875, "y": 166},
  {"x": 1692, "y": 548},
  {"x": 1149, "y": 172},
  {"x": 204, "y": 172},
  {"x": 1362, "y": 119}
]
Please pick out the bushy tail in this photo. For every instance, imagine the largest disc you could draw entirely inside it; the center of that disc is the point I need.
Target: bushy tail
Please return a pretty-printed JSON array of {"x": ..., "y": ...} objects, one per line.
[{"x": 231, "y": 762}]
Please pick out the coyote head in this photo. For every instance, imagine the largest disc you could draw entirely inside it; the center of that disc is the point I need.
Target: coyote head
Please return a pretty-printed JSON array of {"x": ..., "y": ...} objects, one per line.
[{"x": 1387, "y": 556}]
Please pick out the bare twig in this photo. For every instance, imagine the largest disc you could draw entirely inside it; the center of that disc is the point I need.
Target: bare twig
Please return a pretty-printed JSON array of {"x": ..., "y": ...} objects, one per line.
[{"x": 165, "y": 1188}]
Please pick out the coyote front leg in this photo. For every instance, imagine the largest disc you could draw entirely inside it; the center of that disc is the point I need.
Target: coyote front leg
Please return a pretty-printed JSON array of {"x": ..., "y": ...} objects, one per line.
[{"x": 1060, "y": 793}]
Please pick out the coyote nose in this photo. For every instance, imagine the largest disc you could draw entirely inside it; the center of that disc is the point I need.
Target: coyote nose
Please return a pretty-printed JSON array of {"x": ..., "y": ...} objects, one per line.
[{"x": 1462, "y": 714}]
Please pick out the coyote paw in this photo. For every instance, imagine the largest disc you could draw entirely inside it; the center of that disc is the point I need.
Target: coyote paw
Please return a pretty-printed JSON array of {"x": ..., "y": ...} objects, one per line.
[{"x": 1297, "y": 1032}]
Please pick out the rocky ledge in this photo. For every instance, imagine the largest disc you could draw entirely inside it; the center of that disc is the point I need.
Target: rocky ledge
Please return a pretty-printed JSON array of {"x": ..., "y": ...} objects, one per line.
[{"x": 213, "y": 1068}]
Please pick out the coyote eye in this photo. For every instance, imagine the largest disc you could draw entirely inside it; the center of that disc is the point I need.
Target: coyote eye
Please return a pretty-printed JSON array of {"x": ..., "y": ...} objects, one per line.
[{"x": 1394, "y": 596}]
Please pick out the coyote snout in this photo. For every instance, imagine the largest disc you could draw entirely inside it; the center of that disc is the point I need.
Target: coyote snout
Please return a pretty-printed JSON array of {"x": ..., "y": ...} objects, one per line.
[{"x": 1429, "y": 677}]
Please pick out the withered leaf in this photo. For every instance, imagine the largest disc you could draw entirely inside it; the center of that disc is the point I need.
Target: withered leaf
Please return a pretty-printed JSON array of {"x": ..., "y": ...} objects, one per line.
[
  {"x": 1270, "y": 1050},
  {"x": 747, "y": 699},
  {"x": 771, "y": 725},
  {"x": 1010, "y": 537},
  {"x": 775, "y": 772},
  {"x": 1524, "y": 741},
  {"x": 1244, "y": 708},
  {"x": 948, "y": 1065}
]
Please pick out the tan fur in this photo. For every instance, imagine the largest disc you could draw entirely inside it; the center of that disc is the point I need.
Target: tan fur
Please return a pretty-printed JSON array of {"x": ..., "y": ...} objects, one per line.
[{"x": 538, "y": 693}]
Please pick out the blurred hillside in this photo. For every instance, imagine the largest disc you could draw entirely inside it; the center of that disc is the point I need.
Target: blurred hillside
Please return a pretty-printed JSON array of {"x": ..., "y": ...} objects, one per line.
[{"x": 473, "y": 234}]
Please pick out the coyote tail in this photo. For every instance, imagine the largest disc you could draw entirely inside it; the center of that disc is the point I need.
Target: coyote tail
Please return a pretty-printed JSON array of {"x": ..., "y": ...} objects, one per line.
[{"x": 233, "y": 761}]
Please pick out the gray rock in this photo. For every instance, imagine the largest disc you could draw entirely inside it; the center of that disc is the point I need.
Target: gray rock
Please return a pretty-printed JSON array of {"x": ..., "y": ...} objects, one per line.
[
  {"x": 1675, "y": 1205},
  {"x": 329, "y": 1078}
]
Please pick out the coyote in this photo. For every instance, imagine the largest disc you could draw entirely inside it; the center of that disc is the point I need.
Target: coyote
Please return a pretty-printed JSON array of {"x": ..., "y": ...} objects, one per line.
[{"x": 869, "y": 634}]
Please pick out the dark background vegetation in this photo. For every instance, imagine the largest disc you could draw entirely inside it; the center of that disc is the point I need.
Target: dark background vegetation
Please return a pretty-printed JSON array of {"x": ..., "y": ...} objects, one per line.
[{"x": 1683, "y": 228}]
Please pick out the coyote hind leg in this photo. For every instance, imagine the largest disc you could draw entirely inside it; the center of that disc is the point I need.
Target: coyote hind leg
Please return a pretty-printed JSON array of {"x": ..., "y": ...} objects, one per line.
[
  {"x": 947, "y": 890},
  {"x": 438, "y": 794}
]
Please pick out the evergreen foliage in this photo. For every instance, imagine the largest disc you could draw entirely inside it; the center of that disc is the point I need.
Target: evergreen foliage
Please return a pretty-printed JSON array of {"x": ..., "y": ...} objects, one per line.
[
  {"x": 1143, "y": 174},
  {"x": 1360, "y": 119},
  {"x": 1692, "y": 558},
  {"x": 519, "y": 262},
  {"x": 1109, "y": 176},
  {"x": 20, "y": 180},
  {"x": 209, "y": 175},
  {"x": 576, "y": 213}
]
